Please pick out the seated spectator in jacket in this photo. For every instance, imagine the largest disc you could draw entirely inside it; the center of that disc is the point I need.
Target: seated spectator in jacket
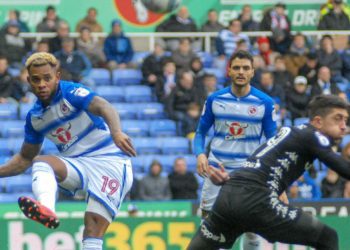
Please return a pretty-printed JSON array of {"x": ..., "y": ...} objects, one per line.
[
  {"x": 259, "y": 67},
  {"x": 166, "y": 82},
  {"x": 50, "y": 21},
  {"x": 180, "y": 22},
  {"x": 90, "y": 21},
  {"x": 14, "y": 15},
  {"x": 332, "y": 186},
  {"x": 266, "y": 52},
  {"x": 345, "y": 56},
  {"x": 310, "y": 68},
  {"x": 329, "y": 56},
  {"x": 296, "y": 55},
  {"x": 197, "y": 69},
  {"x": 12, "y": 46},
  {"x": 246, "y": 18},
  {"x": 335, "y": 16},
  {"x": 227, "y": 39},
  {"x": 75, "y": 66},
  {"x": 209, "y": 85},
  {"x": 212, "y": 25},
  {"x": 91, "y": 47},
  {"x": 281, "y": 74},
  {"x": 306, "y": 188},
  {"x": 181, "y": 97},
  {"x": 297, "y": 98},
  {"x": 277, "y": 21},
  {"x": 324, "y": 85},
  {"x": 183, "y": 55},
  {"x": 154, "y": 186},
  {"x": 183, "y": 184},
  {"x": 152, "y": 66},
  {"x": 55, "y": 43},
  {"x": 189, "y": 125},
  {"x": 275, "y": 91},
  {"x": 7, "y": 83},
  {"x": 117, "y": 47}
]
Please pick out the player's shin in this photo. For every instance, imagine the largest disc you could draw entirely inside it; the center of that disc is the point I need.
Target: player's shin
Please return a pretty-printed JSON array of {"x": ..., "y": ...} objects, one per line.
[
  {"x": 44, "y": 184},
  {"x": 251, "y": 242},
  {"x": 92, "y": 244}
]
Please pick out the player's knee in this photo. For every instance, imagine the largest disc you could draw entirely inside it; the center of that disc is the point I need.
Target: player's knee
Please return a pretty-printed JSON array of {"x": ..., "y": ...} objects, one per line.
[
  {"x": 39, "y": 165},
  {"x": 95, "y": 225},
  {"x": 328, "y": 239}
]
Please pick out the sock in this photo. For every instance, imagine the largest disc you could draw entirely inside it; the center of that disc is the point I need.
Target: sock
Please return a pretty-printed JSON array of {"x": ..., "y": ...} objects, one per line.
[
  {"x": 251, "y": 241},
  {"x": 44, "y": 184},
  {"x": 92, "y": 244}
]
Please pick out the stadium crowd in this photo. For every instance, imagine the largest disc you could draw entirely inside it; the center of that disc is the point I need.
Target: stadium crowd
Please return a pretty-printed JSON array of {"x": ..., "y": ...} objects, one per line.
[{"x": 290, "y": 68}]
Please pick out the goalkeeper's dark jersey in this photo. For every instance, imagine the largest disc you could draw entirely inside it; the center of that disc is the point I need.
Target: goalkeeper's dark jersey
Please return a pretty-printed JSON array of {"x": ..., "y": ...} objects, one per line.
[{"x": 282, "y": 159}]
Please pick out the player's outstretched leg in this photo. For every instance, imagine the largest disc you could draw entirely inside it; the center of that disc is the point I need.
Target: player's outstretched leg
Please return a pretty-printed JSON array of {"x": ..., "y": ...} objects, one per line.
[
  {"x": 38, "y": 212},
  {"x": 251, "y": 241}
]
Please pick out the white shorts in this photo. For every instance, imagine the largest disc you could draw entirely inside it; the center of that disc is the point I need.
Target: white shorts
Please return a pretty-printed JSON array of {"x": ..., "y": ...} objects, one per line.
[
  {"x": 210, "y": 192},
  {"x": 106, "y": 179}
]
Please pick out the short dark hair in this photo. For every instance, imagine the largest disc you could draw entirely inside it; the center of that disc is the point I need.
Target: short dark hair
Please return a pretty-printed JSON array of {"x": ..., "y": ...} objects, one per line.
[
  {"x": 321, "y": 105},
  {"x": 241, "y": 54}
]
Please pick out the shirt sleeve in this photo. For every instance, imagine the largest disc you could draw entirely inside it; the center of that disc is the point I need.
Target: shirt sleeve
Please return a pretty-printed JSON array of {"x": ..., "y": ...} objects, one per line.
[
  {"x": 205, "y": 122},
  {"x": 320, "y": 146},
  {"x": 79, "y": 96},
  {"x": 269, "y": 125},
  {"x": 30, "y": 135}
]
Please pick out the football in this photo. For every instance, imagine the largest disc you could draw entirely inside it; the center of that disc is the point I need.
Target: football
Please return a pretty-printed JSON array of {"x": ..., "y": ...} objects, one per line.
[{"x": 161, "y": 6}]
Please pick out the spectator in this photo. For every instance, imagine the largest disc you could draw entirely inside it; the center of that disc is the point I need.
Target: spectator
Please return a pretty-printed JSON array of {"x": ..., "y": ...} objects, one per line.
[
  {"x": 89, "y": 21},
  {"x": 181, "y": 22},
  {"x": 7, "y": 82},
  {"x": 259, "y": 66},
  {"x": 297, "y": 98},
  {"x": 324, "y": 85},
  {"x": 167, "y": 82},
  {"x": 310, "y": 68},
  {"x": 196, "y": 67},
  {"x": 190, "y": 123},
  {"x": 212, "y": 25},
  {"x": 154, "y": 186},
  {"x": 183, "y": 55},
  {"x": 22, "y": 91},
  {"x": 181, "y": 96},
  {"x": 50, "y": 21},
  {"x": 75, "y": 66},
  {"x": 281, "y": 74},
  {"x": 332, "y": 186},
  {"x": 14, "y": 15},
  {"x": 117, "y": 47},
  {"x": 152, "y": 66},
  {"x": 296, "y": 56},
  {"x": 207, "y": 87},
  {"x": 328, "y": 56},
  {"x": 12, "y": 46},
  {"x": 55, "y": 43},
  {"x": 345, "y": 56},
  {"x": 246, "y": 18},
  {"x": 277, "y": 21},
  {"x": 227, "y": 39},
  {"x": 183, "y": 184},
  {"x": 335, "y": 17},
  {"x": 307, "y": 188},
  {"x": 275, "y": 91},
  {"x": 91, "y": 48},
  {"x": 266, "y": 52}
]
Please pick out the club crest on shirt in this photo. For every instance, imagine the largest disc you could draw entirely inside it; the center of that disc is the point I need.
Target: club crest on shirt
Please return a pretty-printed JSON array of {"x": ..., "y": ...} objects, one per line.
[
  {"x": 64, "y": 108},
  {"x": 322, "y": 139},
  {"x": 236, "y": 130},
  {"x": 252, "y": 110}
]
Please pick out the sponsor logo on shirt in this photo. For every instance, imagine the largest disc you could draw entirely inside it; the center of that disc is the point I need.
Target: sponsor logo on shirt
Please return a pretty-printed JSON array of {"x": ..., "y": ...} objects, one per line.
[
  {"x": 236, "y": 130},
  {"x": 63, "y": 133}
]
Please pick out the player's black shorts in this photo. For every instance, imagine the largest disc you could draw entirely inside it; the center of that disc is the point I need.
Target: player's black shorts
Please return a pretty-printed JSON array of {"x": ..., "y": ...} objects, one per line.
[{"x": 243, "y": 208}]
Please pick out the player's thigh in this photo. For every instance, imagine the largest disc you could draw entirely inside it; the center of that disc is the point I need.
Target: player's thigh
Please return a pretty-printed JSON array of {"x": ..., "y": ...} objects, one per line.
[
  {"x": 58, "y": 166},
  {"x": 209, "y": 194}
]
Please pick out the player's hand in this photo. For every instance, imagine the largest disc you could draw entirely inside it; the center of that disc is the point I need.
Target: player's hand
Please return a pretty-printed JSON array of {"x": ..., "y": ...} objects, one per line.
[
  {"x": 124, "y": 143},
  {"x": 283, "y": 197},
  {"x": 202, "y": 165},
  {"x": 218, "y": 176}
]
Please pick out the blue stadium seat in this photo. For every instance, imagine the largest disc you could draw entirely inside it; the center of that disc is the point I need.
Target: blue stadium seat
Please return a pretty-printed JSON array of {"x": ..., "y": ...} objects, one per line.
[
  {"x": 100, "y": 76},
  {"x": 138, "y": 94},
  {"x": 8, "y": 111},
  {"x": 135, "y": 128},
  {"x": 147, "y": 145},
  {"x": 138, "y": 164},
  {"x": 15, "y": 144},
  {"x": 111, "y": 93},
  {"x": 12, "y": 129},
  {"x": 301, "y": 120},
  {"x": 287, "y": 122},
  {"x": 152, "y": 110},
  {"x": 19, "y": 183},
  {"x": 191, "y": 162},
  {"x": 139, "y": 57},
  {"x": 206, "y": 58},
  {"x": 8, "y": 198},
  {"x": 124, "y": 77},
  {"x": 175, "y": 145},
  {"x": 49, "y": 147},
  {"x": 345, "y": 141},
  {"x": 219, "y": 73},
  {"x": 5, "y": 150},
  {"x": 126, "y": 110},
  {"x": 162, "y": 128},
  {"x": 24, "y": 109}
]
